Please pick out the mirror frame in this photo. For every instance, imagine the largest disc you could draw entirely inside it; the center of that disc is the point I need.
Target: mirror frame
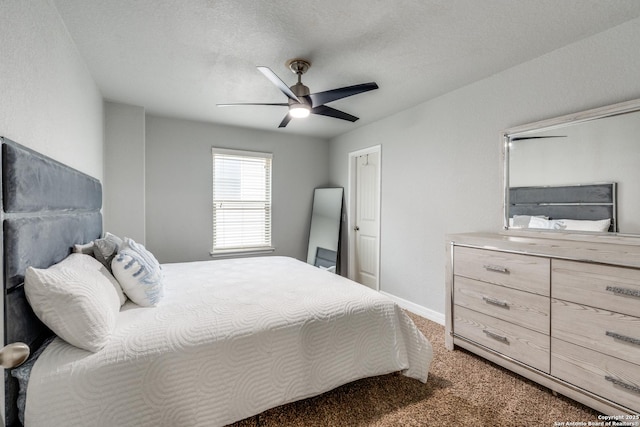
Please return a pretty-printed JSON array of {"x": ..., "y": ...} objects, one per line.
[
  {"x": 550, "y": 124},
  {"x": 311, "y": 254}
]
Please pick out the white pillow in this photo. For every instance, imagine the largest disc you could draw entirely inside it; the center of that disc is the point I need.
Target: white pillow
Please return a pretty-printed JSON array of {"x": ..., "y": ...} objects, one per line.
[
  {"x": 538, "y": 222},
  {"x": 139, "y": 273},
  {"x": 76, "y": 299},
  {"x": 581, "y": 225},
  {"x": 524, "y": 221},
  {"x": 89, "y": 249}
]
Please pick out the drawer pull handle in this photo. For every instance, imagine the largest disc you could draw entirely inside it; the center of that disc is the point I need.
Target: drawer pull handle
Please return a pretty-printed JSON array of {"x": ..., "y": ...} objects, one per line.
[
  {"x": 494, "y": 301},
  {"x": 496, "y": 336},
  {"x": 631, "y": 387},
  {"x": 624, "y": 291},
  {"x": 496, "y": 268},
  {"x": 621, "y": 337}
]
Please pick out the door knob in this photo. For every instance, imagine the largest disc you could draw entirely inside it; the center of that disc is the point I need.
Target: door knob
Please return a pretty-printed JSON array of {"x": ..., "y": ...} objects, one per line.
[{"x": 356, "y": 228}]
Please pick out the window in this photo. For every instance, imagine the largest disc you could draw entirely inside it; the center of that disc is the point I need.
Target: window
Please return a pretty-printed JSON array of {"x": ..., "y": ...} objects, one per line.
[{"x": 241, "y": 201}]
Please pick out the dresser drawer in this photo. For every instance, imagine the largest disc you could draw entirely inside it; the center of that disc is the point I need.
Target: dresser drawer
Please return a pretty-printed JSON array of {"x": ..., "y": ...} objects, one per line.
[
  {"x": 606, "y": 376},
  {"x": 522, "y": 308},
  {"x": 603, "y": 286},
  {"x": 524, "y": 272},
  {"x": 606, "y": 331},
  {"x": 522, "y": 344}
]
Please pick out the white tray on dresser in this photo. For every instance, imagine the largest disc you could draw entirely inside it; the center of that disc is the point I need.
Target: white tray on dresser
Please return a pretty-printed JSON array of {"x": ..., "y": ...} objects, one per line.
[{"x": 562, "y": 310}]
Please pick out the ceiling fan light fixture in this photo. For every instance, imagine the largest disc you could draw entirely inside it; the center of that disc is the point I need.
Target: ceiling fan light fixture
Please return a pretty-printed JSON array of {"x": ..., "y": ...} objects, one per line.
[
  {"x": 299, "y": 111},
  {"x": 301, "y": 102}
]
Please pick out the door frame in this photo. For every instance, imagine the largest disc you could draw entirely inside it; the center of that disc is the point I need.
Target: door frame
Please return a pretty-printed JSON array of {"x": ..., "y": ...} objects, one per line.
[{"x": 351, "y": 208}]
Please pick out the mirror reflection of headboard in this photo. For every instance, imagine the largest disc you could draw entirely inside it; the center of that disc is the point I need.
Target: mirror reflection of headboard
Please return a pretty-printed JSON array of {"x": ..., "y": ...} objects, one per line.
[
  {"x": 601, "y": 145},
  {"x": 588, "y": 203}
]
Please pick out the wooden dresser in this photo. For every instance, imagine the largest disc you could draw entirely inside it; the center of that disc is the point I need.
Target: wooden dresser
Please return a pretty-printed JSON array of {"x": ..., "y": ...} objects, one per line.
[{"x": 562, "y": 310}]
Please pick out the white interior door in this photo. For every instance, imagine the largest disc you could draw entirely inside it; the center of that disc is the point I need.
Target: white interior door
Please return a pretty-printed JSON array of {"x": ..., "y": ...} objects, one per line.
[{"x": 364, "y": 259}]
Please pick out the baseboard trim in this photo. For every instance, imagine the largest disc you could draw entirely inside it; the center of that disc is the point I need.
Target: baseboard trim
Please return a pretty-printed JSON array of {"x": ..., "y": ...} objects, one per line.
[{"x": 425, "y": 312}]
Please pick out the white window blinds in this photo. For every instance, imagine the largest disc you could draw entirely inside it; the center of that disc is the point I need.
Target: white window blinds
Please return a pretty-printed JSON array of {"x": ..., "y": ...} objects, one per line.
[{"x": 241, "y": 201}]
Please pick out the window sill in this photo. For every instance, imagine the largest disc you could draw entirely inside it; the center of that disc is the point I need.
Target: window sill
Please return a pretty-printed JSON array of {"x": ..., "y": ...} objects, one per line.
[{"x": 241, "y": 252}]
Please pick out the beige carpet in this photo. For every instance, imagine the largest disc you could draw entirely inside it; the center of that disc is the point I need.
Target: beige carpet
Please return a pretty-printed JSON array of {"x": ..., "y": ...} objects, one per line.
[{"x": 462, "y": 390}]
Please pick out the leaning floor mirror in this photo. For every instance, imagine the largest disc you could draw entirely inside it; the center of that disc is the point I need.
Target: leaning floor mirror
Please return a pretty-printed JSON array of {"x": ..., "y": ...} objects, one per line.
[{"x": 324, "y": 233}]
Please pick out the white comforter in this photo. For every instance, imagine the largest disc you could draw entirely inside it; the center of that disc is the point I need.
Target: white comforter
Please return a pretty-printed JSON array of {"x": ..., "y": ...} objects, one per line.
[{"x": 230, "y": 339}]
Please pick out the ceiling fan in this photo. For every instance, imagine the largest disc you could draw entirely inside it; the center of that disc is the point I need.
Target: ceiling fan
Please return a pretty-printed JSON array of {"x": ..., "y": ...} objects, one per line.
[{"x": 301, "y": 103}]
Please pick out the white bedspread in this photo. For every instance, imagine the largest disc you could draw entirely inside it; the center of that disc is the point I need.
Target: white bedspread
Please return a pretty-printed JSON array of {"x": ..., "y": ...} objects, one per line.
[{"x": 230, "y": 339}]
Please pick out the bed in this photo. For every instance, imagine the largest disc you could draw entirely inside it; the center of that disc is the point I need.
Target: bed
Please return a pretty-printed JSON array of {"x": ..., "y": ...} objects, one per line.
[
  {"x": 227, "y": 340},
  {"x": 583, "y": 207}
]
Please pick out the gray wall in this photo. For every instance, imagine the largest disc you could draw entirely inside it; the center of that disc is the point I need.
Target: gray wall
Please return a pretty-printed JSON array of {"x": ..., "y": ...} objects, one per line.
[
  {"x": 48, "y": 99},
  {"x": 441, "y": 160},
  {"x": 179, "y": 185},
  {"x": 124, "y": 178}
]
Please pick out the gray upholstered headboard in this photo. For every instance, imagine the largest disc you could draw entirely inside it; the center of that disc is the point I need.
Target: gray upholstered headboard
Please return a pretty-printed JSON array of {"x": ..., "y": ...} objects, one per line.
[
  {"x": 47, "y": 207},
  {"x": 583, "y": 202}
]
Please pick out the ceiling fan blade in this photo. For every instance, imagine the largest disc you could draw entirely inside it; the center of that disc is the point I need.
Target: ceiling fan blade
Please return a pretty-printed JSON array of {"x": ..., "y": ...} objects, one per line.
[
  {"x": 281, "y": 104},
  {"x": 285, "y": 121},
  {"x": 321, "y": 98},
  {"x": 276, "y": 81},
  {"x": 325, "y": 110}
]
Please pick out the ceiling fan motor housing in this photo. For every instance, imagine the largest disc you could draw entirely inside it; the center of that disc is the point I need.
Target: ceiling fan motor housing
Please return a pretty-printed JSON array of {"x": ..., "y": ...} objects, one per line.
[{"x": 302, "y": 92}]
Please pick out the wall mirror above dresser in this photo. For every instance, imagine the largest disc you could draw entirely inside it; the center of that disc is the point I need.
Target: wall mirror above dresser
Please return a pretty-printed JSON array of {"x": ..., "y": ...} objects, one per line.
[{"x": 578, "y": 173}]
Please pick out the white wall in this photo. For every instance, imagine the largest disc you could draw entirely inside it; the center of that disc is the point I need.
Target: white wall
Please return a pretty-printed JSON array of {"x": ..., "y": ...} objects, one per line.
[
  {"x": 124, "y": 175},
  {"x": 179, "y": 185},
  {"x": 49, "y": 101},
  {"x": 441, "y": 160}
]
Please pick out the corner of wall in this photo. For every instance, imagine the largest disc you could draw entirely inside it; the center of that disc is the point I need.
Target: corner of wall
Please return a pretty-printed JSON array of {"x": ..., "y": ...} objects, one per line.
[{"x": 124, "y": 164}]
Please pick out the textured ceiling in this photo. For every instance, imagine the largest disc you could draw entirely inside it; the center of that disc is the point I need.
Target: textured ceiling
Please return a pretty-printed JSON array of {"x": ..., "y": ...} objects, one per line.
[{"x": 181, "y": 57}]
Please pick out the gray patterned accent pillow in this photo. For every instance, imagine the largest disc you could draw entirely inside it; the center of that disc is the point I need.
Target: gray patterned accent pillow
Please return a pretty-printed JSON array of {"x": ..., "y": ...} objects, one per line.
[
  {"x": 106, "y": 249},
  {"x": 86, "y": 249}
]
